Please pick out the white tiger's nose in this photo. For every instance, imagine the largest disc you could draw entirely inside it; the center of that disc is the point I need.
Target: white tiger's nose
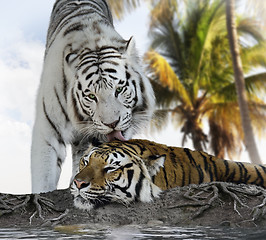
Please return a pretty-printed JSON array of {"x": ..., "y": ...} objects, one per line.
[{"x": 112, "y": 125}]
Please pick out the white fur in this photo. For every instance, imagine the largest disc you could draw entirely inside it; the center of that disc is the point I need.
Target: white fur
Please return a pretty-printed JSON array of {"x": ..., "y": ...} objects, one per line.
[
  {"x": 46, "y": 149},
  {"x": 156, "y": 164},
  {"x": 112, "y": 189}
]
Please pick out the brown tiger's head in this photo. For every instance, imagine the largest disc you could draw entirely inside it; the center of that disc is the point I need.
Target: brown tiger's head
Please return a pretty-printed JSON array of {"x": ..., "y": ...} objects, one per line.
[{"x": 112, "y": 173}]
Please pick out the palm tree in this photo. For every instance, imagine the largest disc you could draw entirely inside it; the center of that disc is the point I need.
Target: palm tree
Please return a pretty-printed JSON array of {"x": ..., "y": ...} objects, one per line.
[
  {"x": 214, "y": 97},
  {"x": 257, "y": 9},
  {"x": 240, "y": 83},
  {"x": 192, "y": 73},
  {"x": 120, "y": 7}
]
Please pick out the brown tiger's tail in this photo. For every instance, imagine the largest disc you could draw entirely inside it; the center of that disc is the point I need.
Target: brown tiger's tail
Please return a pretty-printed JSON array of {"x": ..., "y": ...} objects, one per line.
[{"x": 239, "y": 172}]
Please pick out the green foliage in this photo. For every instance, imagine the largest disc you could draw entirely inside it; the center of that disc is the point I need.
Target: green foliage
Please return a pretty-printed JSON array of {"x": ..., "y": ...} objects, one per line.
[
  {"x": 192, "y": 73},
  {"x": 120, "y": 7},
  {"x": 191, "y": 70}
]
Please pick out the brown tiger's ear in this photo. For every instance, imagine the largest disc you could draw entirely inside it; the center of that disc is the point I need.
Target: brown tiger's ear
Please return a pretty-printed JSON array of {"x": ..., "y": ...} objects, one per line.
[{"x": 154, "y": 163}]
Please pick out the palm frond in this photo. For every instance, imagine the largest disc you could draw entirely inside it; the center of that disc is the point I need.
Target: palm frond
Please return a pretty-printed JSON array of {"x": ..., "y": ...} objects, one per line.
[
  {"x": 164, "y": 97},
  {"x": 258, "y": 117},
  {"x": 120, "y": 7},
  {"x": 257, "y": 9},
  {"x": 167, "y": 77},
  {"x": 165, "y": 39},
  {"x": 163, "y": 11},
  {"x": 254, "y": 56},
  {"x": 225, "y": 128},
  {"x": 250, "y": 28},
  {"x": 256, "y": 83},
  {"x": 221, "y": 141}
]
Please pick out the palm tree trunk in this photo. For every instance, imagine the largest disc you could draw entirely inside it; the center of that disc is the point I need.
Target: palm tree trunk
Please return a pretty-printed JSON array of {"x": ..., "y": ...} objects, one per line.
[{"x": 240, "y": 84}]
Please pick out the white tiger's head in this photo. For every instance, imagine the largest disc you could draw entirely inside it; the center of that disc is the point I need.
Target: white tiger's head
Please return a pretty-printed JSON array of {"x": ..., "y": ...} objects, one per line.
[
  {"x": 110, "y": 173},
  {"x": 111, "y": 97}
]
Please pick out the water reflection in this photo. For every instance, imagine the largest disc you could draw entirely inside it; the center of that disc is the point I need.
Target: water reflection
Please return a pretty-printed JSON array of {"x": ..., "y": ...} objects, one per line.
[{"x": 132, "y": 232}]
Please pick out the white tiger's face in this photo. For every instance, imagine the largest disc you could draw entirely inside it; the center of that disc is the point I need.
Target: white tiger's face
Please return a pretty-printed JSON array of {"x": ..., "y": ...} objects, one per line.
[{"x": 109, "y": 93}]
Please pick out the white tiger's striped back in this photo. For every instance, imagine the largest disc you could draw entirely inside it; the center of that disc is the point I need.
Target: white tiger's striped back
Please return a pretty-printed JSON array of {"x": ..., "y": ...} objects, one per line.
[
  {"x": 92, "y": 89},
  {"x": 71, "y": 14}
]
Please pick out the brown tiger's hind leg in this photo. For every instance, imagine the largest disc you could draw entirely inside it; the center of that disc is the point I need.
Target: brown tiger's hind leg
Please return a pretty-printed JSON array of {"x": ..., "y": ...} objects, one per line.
[{"x": 205, "y": 195}]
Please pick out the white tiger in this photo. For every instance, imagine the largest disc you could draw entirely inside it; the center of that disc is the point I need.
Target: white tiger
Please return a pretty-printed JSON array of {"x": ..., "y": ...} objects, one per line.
[{"x": 92, "y": 89}]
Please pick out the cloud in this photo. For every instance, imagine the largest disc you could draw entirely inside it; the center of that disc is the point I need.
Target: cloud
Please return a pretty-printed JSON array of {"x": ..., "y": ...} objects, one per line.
[
  {"x": 20, "y": 69},
  {"x": 15, "y": 156},
  {"x": 30, "y": 16},
  {"x": 21, "y": 57},
  {"x": 128, "y": 27},
  {"x": 20, "y": 73}
]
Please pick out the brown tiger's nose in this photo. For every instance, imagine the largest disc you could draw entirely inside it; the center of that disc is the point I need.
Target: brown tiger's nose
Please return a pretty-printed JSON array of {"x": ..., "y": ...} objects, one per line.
[
  {"x": 111, "y": 125},
  {"x": 80, "y": 184}
]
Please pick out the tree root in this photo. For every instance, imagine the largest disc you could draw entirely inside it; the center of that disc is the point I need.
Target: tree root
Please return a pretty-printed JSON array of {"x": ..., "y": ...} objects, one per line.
[
  {"x": 10, "y": 203},
  {"x": 55, "y": 221},
  {"x": 234, "y": 204},
  {"x": 259, "y": 211},
  {"x": 204, "y": 197},
  {"x": 198, "y": 196}
]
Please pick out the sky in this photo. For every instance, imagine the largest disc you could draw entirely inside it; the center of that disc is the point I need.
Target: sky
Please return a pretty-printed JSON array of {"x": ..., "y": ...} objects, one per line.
[{"x": 22, "y": 46}]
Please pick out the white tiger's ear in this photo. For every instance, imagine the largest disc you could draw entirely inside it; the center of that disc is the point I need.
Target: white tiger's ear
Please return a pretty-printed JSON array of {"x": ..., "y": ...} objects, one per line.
[
  {"x": 69, "y": 58},
  {"x": 155, "y": 162},
  {"x": 131, "y": 46},
  {"x": 131, "y": 50},
  {"x": 69, "y": 54}
]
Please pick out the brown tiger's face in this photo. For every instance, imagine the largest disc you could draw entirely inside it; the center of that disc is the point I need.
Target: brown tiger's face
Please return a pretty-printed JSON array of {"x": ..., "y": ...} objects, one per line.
[{"x": 111, "y": 174}]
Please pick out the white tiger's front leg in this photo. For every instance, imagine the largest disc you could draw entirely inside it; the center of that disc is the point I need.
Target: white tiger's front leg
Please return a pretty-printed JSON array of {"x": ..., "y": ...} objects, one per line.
[
  {"x": 47, "y": 155},
  {"x": 77, "y": 153},
  {"x": 79, "y": 147}
]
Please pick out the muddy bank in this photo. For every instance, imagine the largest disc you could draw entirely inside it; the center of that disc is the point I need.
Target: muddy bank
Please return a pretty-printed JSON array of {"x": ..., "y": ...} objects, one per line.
[{"x": 215, "y": 204}]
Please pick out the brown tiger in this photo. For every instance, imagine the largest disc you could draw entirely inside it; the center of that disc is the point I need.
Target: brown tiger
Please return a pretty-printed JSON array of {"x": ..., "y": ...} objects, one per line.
[{"x": 141, "y": 169}]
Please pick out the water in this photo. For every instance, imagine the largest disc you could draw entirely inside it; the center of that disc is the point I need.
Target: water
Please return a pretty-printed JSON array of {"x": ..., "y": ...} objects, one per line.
[{"x": 132, "y": 232}]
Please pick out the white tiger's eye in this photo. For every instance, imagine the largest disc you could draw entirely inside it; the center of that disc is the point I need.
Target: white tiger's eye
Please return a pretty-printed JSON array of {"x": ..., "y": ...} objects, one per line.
[
  {"x": 119, "y": 90},
  {"x": 92, "y": 97}
]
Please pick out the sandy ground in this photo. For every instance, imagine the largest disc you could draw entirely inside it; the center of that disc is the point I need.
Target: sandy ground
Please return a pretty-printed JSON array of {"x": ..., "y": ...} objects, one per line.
[{"x": 215, "y": 204}]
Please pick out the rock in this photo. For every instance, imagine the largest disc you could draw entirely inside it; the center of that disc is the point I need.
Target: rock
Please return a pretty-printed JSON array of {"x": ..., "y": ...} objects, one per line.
[{"x": 211, "y": 204}]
